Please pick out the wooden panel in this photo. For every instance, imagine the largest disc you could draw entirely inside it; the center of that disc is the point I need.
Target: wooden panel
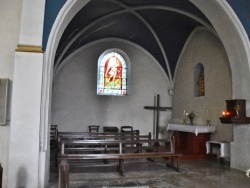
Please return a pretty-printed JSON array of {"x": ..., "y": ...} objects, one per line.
[{"x": 190, "y": 145}]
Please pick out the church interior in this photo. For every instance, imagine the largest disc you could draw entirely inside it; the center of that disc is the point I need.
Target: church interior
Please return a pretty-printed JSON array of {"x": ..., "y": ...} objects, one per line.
[{"x": 176, "y": 71}]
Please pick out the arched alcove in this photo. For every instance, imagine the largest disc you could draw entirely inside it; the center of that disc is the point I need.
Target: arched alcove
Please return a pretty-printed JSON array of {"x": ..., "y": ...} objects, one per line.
[
  {"x": 237, "y": 50},
  {"x": 229, "y": 27}
]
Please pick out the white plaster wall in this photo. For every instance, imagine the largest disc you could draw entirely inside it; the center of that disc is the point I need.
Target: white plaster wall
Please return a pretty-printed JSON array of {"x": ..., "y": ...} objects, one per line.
[
  {"x": 31, "y": 31},
  {"x": 10, "y": 13},
  {"x": 240, "y": 147},
  {"x": 75, "y": 104},
  {"x": 203, "y": 47},
  {"x": 236, "y": 43}
]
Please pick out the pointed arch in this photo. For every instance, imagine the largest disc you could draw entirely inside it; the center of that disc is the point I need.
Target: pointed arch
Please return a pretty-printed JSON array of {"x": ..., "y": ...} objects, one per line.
[{"x": 229, "y": 27}]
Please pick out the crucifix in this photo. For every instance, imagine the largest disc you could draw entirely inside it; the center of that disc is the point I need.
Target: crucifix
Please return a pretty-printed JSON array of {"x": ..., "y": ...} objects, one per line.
[{"x": 157, "y": 108}]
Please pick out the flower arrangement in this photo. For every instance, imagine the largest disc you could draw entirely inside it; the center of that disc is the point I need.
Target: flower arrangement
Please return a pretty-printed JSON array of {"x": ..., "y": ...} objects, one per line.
[{"x": 191, "y": 116}]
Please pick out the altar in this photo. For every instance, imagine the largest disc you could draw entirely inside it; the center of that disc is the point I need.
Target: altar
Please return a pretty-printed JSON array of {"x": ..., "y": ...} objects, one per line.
[{"x": 190, "y": 140}]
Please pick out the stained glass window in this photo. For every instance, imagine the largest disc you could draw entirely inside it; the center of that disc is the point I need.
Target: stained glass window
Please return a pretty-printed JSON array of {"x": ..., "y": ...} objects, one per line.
[{"x": 112, "y": 75}]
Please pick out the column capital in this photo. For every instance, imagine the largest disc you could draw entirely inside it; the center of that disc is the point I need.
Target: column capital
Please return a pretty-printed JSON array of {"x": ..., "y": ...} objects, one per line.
[{"x": 29, "y": 48}]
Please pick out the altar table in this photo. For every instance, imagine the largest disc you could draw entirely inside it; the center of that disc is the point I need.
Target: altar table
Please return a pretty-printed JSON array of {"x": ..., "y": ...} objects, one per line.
[
  {"x": 196, "y": 129},
  {"x": 190, "y": 140}
]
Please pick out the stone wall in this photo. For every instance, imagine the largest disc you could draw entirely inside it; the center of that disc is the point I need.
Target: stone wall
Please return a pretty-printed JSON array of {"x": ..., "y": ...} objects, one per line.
[
  {"x": 75, "y": 104},
  {"x": 10, "y": 12},
  {"x": 205, "y": 48}
]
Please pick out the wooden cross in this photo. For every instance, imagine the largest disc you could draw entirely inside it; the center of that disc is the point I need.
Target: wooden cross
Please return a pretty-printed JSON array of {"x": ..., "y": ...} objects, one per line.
[{"x": 157, "y": 108}]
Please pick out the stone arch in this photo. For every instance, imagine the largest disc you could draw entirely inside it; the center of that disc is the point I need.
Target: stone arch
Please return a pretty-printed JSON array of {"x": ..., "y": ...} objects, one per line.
[
  {"x": 234, "y": 39},
  {"x": 67, "y": 12},
  {"x": 228, "y": 27}
]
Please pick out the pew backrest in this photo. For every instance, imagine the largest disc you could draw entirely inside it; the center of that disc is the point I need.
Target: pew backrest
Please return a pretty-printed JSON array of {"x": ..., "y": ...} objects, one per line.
[
  {"x": 102, "y": 136},
  {"x": 114, "y": 146}
]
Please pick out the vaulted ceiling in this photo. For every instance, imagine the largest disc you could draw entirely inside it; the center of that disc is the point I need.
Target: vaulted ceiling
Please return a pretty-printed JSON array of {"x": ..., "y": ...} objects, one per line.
[{"x": 160, "y": 26}]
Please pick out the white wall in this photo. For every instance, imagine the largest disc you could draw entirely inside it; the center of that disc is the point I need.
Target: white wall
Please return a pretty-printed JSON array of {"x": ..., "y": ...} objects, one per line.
[
  {"x": 10, "y": 13},
  {"x": 203, "y": 47},
  {"x": 75, "y": 104}
]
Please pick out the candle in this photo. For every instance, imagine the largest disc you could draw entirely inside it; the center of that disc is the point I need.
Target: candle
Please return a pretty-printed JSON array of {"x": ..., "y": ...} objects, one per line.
[
  {"x": 207, "y": 115},
  {"x": 223, "y": 114},
  {"x": 184, "y": 114}
]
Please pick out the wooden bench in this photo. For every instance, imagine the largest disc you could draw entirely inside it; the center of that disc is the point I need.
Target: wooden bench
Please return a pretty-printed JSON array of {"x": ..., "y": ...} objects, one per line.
[
  {"x": 134, "y": 135},
  {"x": 81, "y": 150},
  {"x": 101, "y": 136},
  {"x": 97, "y": 134},
  {"x": 53, "y": 136}
]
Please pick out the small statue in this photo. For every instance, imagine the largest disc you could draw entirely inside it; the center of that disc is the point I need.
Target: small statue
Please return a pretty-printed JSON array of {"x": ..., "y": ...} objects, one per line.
[{"x": 237, "y": 109}]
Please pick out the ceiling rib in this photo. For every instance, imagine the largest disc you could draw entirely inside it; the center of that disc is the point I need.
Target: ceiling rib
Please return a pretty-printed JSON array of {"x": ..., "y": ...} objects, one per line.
[
  {"x": 80, "y": 32},
  {"x": 161, "y": 7},
  {"x": 132, "y": 10},
  {"x": 153, "y": 33}
]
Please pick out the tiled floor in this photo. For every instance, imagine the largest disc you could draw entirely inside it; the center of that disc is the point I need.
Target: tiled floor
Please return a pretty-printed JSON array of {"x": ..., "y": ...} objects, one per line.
[{"x": 193, "y": 174}]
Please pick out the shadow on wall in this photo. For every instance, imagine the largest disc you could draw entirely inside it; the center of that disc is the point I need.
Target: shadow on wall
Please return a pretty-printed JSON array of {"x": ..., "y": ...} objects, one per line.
[{"x": 22, "y": 177}]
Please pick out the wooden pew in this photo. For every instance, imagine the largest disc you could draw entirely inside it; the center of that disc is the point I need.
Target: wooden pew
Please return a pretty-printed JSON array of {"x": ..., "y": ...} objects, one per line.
[
  {"x": 134, "y": 135},
  {"x": 63, "y": 174},
  {"x": 53, "y": 136},
  {"x": 101, "y": 136},
  {"x": 147, "y": 147}
]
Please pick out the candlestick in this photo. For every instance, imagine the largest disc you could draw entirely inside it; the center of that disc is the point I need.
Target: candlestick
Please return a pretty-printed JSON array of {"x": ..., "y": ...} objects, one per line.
[
  {"x": 184, "y": 117},
  {"x": 207, "y": 115},
  {"x": 208, "y": 122},
  {"x": 207, "y": 118}
]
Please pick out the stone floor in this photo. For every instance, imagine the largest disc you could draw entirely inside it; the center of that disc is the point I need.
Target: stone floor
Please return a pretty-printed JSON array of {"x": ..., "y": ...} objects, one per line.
[{"x": 193, "y": 174}]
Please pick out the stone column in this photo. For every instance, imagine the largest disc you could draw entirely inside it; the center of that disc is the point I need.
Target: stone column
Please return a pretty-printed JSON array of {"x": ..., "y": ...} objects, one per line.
[{"x": 24, "y": 152}]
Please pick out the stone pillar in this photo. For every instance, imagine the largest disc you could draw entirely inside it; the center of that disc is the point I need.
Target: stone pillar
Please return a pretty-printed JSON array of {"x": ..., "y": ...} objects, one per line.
[
  {"x": 24, "y": 152},
  {"x": 25, "y": 120}
]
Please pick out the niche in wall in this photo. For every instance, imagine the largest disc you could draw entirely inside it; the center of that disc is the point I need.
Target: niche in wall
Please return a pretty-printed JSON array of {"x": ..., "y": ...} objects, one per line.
[
  {"x": 4, "y": 87},
  {"x": 199, "y": 80}
]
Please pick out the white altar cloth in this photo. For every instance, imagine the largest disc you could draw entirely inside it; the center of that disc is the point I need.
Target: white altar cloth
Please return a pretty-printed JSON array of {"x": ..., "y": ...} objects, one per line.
[
  {"x": 196, "y": 129},
  {"x": 224, "y": 148}
]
